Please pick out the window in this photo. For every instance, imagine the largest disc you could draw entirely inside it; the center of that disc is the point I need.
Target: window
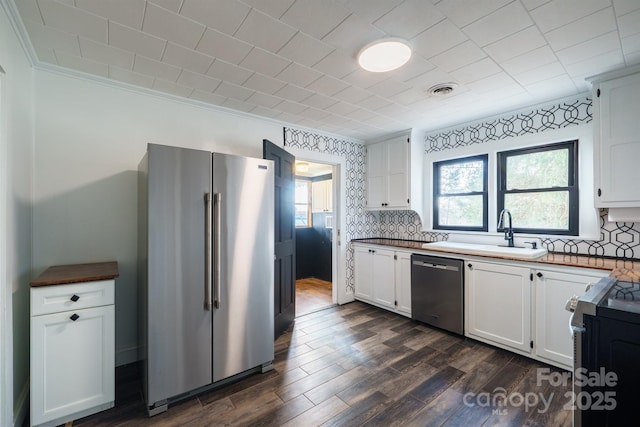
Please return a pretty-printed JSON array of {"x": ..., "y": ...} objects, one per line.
[
  {"x": 303, "y": 203},
  {"x": 460, "y": 194},
  {"x": 539, "y": 186}
]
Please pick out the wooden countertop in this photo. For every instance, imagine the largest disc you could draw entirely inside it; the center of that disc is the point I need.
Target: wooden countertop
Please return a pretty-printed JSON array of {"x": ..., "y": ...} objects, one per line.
[
  {"x": 621, "y": 269},
  {"x": 77, "y": 273}
]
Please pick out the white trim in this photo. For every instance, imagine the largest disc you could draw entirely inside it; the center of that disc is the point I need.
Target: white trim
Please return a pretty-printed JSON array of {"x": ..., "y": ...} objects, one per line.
[
  {"x": 339, "y": 244},
  {"x": 6, "y": 345}
]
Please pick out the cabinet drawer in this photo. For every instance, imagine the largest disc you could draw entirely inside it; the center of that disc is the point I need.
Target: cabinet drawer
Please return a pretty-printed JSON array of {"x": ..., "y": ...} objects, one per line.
[{"x": 58, "y": 298}]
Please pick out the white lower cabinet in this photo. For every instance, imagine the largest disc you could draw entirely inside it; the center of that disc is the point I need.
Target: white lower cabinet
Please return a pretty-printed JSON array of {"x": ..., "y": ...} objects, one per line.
[
  {"x": 72, "y": 351},
  {"x": 523, "y": 309},
  {"x": 383, "y": 277},
  {"x": 498, "y": 304},
  {"x": 553, "y": 342}
]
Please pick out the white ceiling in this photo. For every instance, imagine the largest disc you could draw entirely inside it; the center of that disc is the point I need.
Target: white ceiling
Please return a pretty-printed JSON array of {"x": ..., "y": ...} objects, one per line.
[{"x": 294, "y": 60}]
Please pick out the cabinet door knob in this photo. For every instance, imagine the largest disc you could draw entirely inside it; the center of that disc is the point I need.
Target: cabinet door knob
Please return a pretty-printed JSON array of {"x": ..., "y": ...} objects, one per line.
[
  {"x": 75, "y": 298},
  {"x": 74, "y": 317},
  {"x": 539, "y": 274},
  {"x": 469, "y": 265}
]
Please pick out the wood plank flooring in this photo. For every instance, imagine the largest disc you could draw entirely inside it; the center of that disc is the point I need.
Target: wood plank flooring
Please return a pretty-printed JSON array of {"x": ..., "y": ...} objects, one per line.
[
  {"x": 312, "y": 295},
  {"x": 356, "y": 365}
]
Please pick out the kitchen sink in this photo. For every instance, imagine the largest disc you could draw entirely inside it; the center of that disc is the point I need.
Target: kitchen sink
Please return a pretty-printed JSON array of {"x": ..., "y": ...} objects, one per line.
[{"x": 486, "y": 250}]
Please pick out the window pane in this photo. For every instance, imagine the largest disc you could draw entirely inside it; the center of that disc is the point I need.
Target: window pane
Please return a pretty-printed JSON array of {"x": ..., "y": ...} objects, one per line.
[
  {"x": 539, "y": 210},
  {"x": 464, "y": 177},
  {"x": 460, "y": 211},
  {"x": 545, "y": 169},
  {"x": 302, "y": 192},
  {"x": 302, "y": 215}
]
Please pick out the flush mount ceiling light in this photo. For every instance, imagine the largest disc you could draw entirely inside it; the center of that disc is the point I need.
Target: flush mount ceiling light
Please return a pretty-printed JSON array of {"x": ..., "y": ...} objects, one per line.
[
  {"x": 302, "y": 167},
  {"x": 442, "y": 89},
  {"x": 384, "y": 55}
]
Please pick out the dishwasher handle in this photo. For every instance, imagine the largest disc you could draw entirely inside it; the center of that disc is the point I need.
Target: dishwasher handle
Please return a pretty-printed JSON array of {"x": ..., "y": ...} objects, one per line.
[{"x": 438, "y": 266}]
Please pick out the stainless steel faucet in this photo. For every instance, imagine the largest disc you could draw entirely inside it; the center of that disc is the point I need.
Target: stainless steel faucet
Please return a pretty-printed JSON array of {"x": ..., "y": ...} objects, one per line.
[{"x": 508, "y": 231}]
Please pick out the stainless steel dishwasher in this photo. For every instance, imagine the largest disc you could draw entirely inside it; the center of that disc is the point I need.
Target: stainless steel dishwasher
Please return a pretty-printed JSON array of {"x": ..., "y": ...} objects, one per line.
[{"x": 437, "y": 292}]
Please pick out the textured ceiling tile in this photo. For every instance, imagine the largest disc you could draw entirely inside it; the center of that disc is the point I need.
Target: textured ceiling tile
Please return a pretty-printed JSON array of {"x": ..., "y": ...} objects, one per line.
[
  {"x": 305, "y": 50},
  {"x": 265, "y": 112},
  {"x": 49, "y": 37},
  {"x": 409, "y": 19},
  {"x": 298, "y": 75},
  {"x": 342, "y": 108},
  {"x": 495, "y": 85},
  {"x": 583, "y": 29},
  {"x": 209, "y": 98},
  {"x": 107, "y": 54},
  {"x": 171, "y": 88},
  {"x": 265, "y": 62},
  {"x": 371, "y": 10},
  {"x": 631, "y": 45},
  {"x": 459, "y": 56},
  {"x": 374, "y": 103},
  {"x": 198, "y": 81},
  {"x": 136, "y": 41},
  {"x": 337, "y": 64},
  {"x": 73, "y": 20},
  {"x": 319, "y": 101},
  {"x": 464, "y": 12},
  {"x": 264, "y": 100},
  {"x": 593, "y": 65},
  {"x": 623, "y": 7},
  {"x": 502, "y": 23},
  {"x": 315, "y": 114},
  {"x": 222, "y": 15},
  {"x": 186, "y": 58},
  {"x": 532, "y": 4},
  {"x": 516, "y": 44},
  {"x": 558, "y": 87},
  {"x": 29, "y": 11},
  {"x": 294, "y": 93},
  {"x": 155, "y": 68},
  {"x": 597, "y": 46},
  {"x": 291, "y": 107},
  {"x": 171, "y": 26},
  {"x": 535, "y": 75},
  {"x": 353, "y": 94},
  {"x": 417, "y": 65},
  {"x": 273, "y": 8},
  {"x": 318, "y": 18},
  {"x": 364, "y": 79},
  {"x": 172, "y": 5},
  {"x": 233, "y": 91},
  {"x": 389, "y": 87},
  {"x": 229, "y": 72},
  {"x": 530, "y": 60},
  {"x": 555, "y": 14},
  {"x": 437, "y": 39},
  {"x": 125, "y": 12},
  {"x": 80, "y": 64},
  {"x": 130, "y": 77},
  {"x": 263, "y": 83},
  {"x": 629, "y": 24},
  {"x": 45, "y": 54},
  {"x": 220, "y": 45},
  {"x": 475, "y": 71},
  {"x": 264, "y": 31},
  {"x": 353, "y": 34},
  {"x": 327, "y": 85}
]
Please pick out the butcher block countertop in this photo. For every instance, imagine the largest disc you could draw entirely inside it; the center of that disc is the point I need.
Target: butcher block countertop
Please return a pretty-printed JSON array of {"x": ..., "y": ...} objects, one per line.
[
  {"x": 77, "y": 273},
  {"x": 621, "y": 269}
]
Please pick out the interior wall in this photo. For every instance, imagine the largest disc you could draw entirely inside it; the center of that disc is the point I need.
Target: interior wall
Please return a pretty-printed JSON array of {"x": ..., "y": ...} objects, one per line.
[
  {"x": 89, "y": 139},
  {"x": 16, "y": 134}
]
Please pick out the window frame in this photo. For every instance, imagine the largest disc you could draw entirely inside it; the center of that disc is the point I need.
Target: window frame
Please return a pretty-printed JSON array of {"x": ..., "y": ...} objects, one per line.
[
  {"x": 309, "y": 201},
  {"x": 572, "y": 187},
  {"x": 484, "y": 193}
]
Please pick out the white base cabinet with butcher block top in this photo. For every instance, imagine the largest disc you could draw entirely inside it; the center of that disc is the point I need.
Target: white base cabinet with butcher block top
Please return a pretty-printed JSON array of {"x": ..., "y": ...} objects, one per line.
[{"x": 72, "y": 342}]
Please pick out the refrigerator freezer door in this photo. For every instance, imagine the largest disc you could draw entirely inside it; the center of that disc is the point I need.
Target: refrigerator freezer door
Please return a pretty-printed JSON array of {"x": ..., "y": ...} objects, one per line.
[
  {"x": 179, "y": 324},
  {"x": 243, "y": 279}
]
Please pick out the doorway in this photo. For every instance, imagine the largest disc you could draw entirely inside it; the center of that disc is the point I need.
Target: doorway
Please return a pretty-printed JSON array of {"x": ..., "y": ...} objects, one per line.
[{"x": 314, "y": 218}]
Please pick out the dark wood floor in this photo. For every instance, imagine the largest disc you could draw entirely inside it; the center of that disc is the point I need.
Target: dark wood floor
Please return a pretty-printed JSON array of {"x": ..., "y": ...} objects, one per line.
[
  {"x": 356, "y": 365},
  {"x": 312, "y": 295}
]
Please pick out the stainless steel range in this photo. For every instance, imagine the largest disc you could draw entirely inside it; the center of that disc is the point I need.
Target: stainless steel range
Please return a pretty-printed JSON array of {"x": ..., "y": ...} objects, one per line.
[{"x": 606, "y": 325}]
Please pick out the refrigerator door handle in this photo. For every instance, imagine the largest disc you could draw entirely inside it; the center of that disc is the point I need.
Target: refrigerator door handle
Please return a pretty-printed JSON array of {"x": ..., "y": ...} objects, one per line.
[
  {"x": 217, "y": 202},
  {"x": 207, "y": 238}
]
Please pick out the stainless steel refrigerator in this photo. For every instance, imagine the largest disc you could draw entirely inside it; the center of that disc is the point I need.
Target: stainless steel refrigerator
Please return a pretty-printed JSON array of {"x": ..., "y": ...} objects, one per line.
[{"x": 207, "y": 273}]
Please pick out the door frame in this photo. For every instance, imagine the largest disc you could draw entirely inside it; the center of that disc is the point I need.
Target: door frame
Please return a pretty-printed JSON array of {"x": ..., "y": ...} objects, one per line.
[
  {"x": 6, "y": 336},
  {"x": 338, "y": 242}
]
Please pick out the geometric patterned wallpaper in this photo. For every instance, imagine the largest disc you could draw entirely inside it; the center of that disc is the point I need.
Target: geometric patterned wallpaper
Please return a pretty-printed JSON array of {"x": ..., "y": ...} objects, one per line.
[{"x": 618, "y": 239}]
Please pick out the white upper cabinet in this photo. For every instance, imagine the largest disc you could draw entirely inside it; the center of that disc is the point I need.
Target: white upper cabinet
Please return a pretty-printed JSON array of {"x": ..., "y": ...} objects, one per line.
[
  {"x": 394, "y": 174},
  {"x": 322, "y": 196},
  {"x": 616, "y": 102}
]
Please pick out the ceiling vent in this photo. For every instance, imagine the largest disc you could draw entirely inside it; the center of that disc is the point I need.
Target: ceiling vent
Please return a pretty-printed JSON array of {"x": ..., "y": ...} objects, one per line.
[{"x": 442, "y": 89}]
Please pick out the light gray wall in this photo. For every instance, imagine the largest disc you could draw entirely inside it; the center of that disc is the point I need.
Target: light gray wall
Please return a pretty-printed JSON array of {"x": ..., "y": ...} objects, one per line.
[
  {"x": 16, "y": 143},
  {"x": 89, "y": 139}
]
